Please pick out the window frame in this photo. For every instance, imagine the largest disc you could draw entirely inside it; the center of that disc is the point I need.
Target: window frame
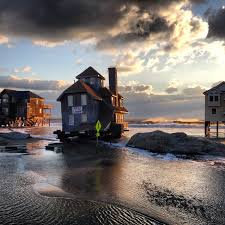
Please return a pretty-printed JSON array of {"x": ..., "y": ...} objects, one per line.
[
  {"x": 70, "y": 100},
  {"x": 216, "y": 98},
  {"x": 92, "y": 80},
  {"x": 82, "y": 118},
  {"x": 71, "y": 121},
  {"x": 83, "y": 99},
  {"x": 214, "y": 111}
]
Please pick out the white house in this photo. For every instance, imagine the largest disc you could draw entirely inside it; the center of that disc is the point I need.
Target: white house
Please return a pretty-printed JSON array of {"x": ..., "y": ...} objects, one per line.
[{"x": 214, "y": 106}]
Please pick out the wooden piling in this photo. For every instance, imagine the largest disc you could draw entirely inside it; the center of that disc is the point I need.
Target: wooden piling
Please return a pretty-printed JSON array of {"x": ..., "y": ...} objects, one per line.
[{"x": 217, "y": 129}]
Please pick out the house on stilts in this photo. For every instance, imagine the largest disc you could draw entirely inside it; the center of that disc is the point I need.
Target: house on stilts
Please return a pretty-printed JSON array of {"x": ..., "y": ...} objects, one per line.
[
  {"x": 23, "y": 109},
  {"x": 87, "y": 101},
  {"x": 214, "y": 109}
]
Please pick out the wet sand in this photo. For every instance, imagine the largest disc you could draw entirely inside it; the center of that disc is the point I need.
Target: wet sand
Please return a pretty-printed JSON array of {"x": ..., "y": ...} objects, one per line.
[{"x": 116, "y": 185}]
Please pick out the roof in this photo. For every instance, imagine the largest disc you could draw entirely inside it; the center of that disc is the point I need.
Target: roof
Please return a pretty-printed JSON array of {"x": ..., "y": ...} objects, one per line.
[
  {"x": 21, "y": 94},
  {"x": 80, "y": 87},
  {"x": 90, "y": 72},
  {"x": 214, "y": 88}
]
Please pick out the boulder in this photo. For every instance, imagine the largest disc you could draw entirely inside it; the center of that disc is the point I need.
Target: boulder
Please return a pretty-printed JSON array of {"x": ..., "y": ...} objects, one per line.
[
  {"x": 175, "y": 143},
  {"x": 15, "y": 135}
]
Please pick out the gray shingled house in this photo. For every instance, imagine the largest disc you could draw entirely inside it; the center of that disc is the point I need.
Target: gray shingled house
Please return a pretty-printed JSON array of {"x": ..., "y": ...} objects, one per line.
[{"x": 87, "y": 101}]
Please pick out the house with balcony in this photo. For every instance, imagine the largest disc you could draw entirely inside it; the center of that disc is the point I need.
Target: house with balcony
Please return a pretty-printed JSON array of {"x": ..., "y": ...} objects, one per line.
[
  {"x": 214, "y": 108},
  {"x": 23, "y": 108}
]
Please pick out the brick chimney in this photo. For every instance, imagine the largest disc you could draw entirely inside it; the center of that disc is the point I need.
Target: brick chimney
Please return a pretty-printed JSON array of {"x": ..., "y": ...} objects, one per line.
[{"x": 113, "y": 80}]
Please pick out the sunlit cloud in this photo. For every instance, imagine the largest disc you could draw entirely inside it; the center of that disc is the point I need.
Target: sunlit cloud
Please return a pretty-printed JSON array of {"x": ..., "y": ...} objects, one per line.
[
  {"x": 25, "y": 69},
  {"x": 48, "y": 44},
  {"x": 3, "y": 39}
]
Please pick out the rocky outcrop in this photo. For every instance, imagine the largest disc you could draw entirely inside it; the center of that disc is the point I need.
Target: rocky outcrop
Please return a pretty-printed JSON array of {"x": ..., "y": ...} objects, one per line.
[{"x": 175, "y": 143}]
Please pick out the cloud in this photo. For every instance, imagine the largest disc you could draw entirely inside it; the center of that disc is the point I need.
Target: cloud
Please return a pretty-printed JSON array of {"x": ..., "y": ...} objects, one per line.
[
  {"x": 129, "y": 62},
  {"x": 163, "y": 105},
  {"x": 31, "y": 84},
  {"x": 118, "y": 27},
  {"x": 194, "y": 91},
  {"x": 4, "y": 39},
  {"x": 216, "y": 20},
  {"x": 217, "y": 83},
  {"x": 173, "y": 86},
  {"x": 171, "y": 90},
  {"x": 50, "y": 22},
  {"x": 136, "y": 88},
  {"x": 48, "y": 44},
  {"x": 25, "y": 69}
]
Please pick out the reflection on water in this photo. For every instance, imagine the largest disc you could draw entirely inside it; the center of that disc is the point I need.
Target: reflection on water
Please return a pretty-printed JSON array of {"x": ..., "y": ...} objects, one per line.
[{"x": 117, "y": 186}]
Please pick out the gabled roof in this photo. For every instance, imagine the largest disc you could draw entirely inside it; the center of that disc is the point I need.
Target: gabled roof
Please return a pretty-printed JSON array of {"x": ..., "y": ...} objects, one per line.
[
  {"x": 90, "y": 72},
  {"x": 21, "y": 94},
  {"x": 214, "y": 88},
  {"x": 80, "y": 87}
]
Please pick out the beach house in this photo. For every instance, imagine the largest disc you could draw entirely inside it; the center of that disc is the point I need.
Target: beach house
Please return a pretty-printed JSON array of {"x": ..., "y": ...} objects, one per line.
[
  {"x": 88, "y": 100},
  {"x": 214, "y": 108},
  {"x": 23, "y": 108}
]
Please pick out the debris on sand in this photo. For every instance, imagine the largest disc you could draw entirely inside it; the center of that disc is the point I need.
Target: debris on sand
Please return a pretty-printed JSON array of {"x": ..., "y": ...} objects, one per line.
[{"x": 15, "y": 135}]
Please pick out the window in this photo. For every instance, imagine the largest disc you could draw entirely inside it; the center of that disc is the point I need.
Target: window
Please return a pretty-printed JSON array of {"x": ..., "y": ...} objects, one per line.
[
  {"x": 5, "y": 111},
  {"x": 40, "y": 110},
  {"x": 70, "y": 100},
  {"x": 83, "y": 99},
  {"x": 92, "y": 80},
  {"x": 37, "y": 102},
  {"x": 216, "y": 98},
  {"x": 71, "y": 120},
  {"x": 213, "y": 111},
  {"x": 84, "y": 118},
  {"x": 5, "y": 98},
  {"x": 211, "y": 98}
]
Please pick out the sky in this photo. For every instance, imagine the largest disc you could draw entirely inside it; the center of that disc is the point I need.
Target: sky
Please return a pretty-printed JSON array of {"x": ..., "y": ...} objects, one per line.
[{"x": 167, "y": 52}]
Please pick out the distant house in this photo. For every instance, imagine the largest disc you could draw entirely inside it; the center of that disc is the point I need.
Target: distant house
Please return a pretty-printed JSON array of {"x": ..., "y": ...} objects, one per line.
[
  {"x": 23, "y": 108},
  {"x": 214, "y": 107},
  {"x": 88, "y": 101}
]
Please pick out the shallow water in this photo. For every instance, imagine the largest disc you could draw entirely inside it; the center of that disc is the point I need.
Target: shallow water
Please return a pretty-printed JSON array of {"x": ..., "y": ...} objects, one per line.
[{"x": 103, "y": 186}]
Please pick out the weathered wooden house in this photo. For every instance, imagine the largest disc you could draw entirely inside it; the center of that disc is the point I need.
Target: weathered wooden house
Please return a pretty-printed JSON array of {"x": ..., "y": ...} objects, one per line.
[
  {"x": 88, "y": 101},
  {"x": 23, "y": 108},
  {"x": 214, "y": 108}
]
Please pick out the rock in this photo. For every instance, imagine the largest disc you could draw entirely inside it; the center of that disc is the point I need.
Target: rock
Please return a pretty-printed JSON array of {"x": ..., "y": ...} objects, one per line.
[
  {"x": 175, "y": 143},
  {"x": 15, "y": 135}
]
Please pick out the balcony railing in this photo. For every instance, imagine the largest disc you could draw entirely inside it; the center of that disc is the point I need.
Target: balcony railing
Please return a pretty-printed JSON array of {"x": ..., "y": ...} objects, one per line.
[{"x": 48, "y": 106}]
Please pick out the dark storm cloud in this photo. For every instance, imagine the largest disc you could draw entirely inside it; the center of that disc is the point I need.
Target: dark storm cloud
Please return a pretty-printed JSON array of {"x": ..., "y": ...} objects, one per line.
[
  {"x": 139, "y": 31},
  {"x": 60, "y": 19},
  {"x": 216, "y": 22}
]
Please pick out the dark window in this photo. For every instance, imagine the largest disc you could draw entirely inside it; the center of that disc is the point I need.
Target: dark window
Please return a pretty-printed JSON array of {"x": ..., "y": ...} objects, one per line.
[
  {"x": 213, "y": 111},
  {"x": 216, "y": 98},
  {"x": 211, "y": 98}
]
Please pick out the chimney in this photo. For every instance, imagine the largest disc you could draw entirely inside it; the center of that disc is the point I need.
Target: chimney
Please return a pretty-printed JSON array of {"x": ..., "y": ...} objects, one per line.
[{"x": 113, "y": 80}]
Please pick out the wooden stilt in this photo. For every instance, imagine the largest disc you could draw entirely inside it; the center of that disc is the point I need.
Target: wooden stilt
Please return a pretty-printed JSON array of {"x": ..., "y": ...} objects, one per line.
[
  {"x": 206, "y": 128},
  {"x": 217, "y": 129}
]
